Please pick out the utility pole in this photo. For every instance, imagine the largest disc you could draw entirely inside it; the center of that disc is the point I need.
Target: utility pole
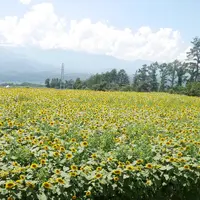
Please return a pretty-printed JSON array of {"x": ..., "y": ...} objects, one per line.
[{"x": 62, "y": 77}]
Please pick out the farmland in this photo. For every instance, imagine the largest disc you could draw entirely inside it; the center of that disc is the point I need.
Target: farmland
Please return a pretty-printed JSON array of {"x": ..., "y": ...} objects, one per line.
[{"x": 69, "y": 144}]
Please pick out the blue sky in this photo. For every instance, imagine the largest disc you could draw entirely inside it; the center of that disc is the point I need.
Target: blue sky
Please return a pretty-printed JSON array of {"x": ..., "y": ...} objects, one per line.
[{"x": 182, "y": 16}]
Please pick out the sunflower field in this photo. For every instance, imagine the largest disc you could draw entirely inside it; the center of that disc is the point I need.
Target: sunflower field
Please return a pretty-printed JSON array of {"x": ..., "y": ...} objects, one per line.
[{"x": 70, "y": 144}]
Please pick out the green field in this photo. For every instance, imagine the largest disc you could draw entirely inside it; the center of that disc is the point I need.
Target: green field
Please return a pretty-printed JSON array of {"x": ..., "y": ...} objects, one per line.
[{"x": 67, "y": 144}]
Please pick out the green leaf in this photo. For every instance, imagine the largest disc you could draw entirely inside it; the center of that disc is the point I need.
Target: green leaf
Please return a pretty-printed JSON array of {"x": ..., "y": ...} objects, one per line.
[
  {"x": 65, "y": 169},
  {"x": 164, "y": 184},
  {"x": 129, "y": 157},
  {"x": 125, "y": 176},
  {"x": 166, "y": 177},
  {"x": 168, "y": 167},
  {"x": 42, "y": 196},
  {"x": 163, "y": 168}
]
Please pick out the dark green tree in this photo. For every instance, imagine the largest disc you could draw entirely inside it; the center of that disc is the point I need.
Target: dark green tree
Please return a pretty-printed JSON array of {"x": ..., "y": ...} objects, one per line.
[
  {"x": 194, "y": 57},
  {"x": 135, "y": 81},
  {"x": 78, "y": 84},
  {"x": 153, "y": 82},
  {"x": 122, "y": 78},
  {"x": 47, "y": 83},
  {"x": 69, "y": 84},
  {"x": 143, "y": 83},
  {"x": 181, "y": 71},
  {"x": 163, "y": 73},
  {"x": 55, "y": 83},
  {"x": 113, "y": 76},
  {"x": 173, "y": 66}
]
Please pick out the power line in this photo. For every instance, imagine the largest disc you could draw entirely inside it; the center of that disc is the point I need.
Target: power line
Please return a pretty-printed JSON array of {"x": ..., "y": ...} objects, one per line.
[{"x": 62, "y": 77}]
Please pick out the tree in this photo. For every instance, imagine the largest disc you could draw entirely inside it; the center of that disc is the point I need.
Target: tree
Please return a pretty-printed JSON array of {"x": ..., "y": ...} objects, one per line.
[
  {"x": 164, "y": 72},
  {"x": 78, "y": 84},
  {"x": 153, "y": 77},
  {"x": 112, "y": 80},
  {"x": 191, "y": 71},
  {"x": 54, "y": 83},
  {"x": 193, "y": 89},
  {"x": 47, "y": 83},
  {"x": 93, "y": 80},
  {"x": 113, "y": 76},
  {"x": 181, "y": 70},
  {"x": 69, "y": 84},
  {"x": 173, "y": 72},
  {"x": 122, "y": 78},
  {"x": 135, "y": 81},
  {"x": 143, "y": 83},
  {"x": 194, "y": 57}
]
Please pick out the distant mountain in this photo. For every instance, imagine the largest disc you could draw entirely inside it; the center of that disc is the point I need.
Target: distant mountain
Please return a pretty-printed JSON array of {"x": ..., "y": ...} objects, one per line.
[
  {"x": 20, "y": 64},
  {"x": 37, "y": 77}
]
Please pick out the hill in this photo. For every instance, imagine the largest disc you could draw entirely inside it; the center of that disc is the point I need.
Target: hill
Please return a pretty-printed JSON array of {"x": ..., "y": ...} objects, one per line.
[{"x": 22, "y": 64}]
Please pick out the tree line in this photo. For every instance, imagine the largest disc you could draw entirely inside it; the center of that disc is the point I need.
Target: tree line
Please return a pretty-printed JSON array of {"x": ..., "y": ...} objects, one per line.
[
  {"x": 113, "y": 80},
  {"x": 174, "y": 77}
]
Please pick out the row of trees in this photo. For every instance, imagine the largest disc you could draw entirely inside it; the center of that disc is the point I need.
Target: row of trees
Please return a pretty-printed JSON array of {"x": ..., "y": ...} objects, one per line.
[
  {"x": 56, "y": 83},
  {"x": 161, "y": 77},
  {"x": 176, "y": 76},
  {"x": 113, "y": 80}
]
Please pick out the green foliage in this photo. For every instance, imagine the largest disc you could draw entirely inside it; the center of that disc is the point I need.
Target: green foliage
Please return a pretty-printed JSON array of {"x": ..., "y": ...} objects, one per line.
[
  {"x": 178, "y": 90},
  {"x": 21, "y": 154},
  {"x": 193, "y": 89},
  {"x": 78, "y": 84},
  {"x": 141, "y": 80},
  {"x": 126, "y": 88},
  {"x": 194, "y": 58},
  {"x": 112, "y": 80},
  {"x": 122, "y": 78},
  {"x": 55, "y": 83},
  {"x": 73, "y": 144},
  {"x": 164, "y": 72},
  {"x": 47, "y": 83},
  {"x": 153, "y": 77}
]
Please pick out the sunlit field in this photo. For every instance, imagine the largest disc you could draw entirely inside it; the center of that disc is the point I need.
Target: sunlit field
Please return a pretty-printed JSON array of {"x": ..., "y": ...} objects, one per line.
[{"x": 98, "y": 145}]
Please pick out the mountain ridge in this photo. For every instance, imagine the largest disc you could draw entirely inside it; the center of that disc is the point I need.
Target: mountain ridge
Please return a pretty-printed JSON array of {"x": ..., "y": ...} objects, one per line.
[{"x": 20, "y": 64}]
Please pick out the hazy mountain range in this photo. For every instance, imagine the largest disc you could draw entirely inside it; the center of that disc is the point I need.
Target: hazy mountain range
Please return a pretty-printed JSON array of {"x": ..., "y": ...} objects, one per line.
[{"x": 22, "y": 64}]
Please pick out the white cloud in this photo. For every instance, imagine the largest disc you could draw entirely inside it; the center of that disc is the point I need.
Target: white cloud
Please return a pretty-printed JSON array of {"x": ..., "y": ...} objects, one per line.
[
  {"x": 183, "y": 56},
  {"x": 25, "y": 1},
  {"x": 42, "y": 27}
]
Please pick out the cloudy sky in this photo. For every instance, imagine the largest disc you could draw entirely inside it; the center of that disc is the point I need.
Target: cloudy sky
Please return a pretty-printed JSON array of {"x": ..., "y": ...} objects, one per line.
[{"x": 126, "y": 29}]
